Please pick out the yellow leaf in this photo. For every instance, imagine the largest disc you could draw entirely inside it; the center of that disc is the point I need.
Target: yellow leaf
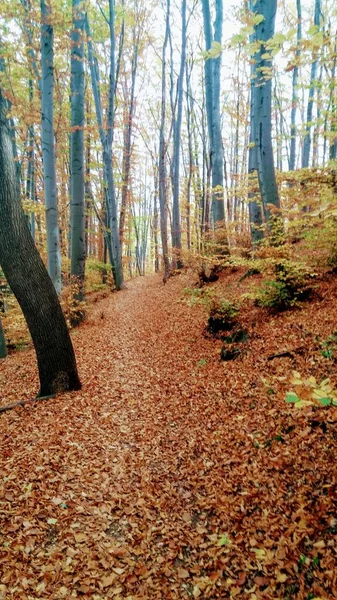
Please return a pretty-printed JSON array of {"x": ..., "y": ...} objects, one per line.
[
  {"x": 183, "y": 574},
  {"x": 79, "y": 537},
  {"x": 281, "y": 577},
  {"x": 108, "y": 580}
]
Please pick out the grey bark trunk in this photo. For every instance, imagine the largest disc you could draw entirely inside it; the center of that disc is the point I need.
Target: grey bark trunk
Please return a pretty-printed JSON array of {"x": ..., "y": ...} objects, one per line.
[
  {"x": 212, "y": 90},
  {"x": 262, "y": 106},
  {"x": 176, "y": 224},
  {"x": 113, "y": 242},
  {"x": 162, "y": 154},
  {"x": 294, "y": 100},
  {"x": 77, "y": 187},
  {"x": 311, "y": 98},
  {"x": 48, "y": 147},
  {"x": 255, "y": 204}
]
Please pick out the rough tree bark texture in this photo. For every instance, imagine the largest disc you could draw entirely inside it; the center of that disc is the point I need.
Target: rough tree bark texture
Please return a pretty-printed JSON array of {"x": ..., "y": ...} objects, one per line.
[{"x": 30, "y": 282}]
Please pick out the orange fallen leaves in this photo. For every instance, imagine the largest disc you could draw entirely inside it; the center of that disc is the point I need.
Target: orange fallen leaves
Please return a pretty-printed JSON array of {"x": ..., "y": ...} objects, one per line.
[{"x": 164, "y": 479}]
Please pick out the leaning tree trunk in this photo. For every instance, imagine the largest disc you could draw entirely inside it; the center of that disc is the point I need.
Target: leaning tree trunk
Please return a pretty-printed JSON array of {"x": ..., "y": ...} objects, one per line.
[
  {"x": 30, "y": 282},
  {"x": 77, "y": 205},
  {"x": 48, "y": 147}
]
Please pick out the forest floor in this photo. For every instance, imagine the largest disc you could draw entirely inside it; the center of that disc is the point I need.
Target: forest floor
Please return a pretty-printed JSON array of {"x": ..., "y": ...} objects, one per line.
[{"x": 172, "y": 474}]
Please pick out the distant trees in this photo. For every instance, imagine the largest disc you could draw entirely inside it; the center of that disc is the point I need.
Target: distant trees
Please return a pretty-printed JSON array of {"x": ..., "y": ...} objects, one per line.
[
  {"x": 29, "y": 280},
  {"x": 166, "y": 136}
]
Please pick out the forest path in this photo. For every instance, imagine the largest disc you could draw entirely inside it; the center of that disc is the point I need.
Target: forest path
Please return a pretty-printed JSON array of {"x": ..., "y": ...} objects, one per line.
[{"x": 149, "y": 483}]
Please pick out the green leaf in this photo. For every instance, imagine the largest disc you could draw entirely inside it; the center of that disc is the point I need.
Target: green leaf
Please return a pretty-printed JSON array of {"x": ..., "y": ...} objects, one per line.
[
  {"x": 324, "y": 401},
  {"x": 52, "y": 521},
  {"x": 291, "y": 397},
  {"x": 223, "y": 540}
]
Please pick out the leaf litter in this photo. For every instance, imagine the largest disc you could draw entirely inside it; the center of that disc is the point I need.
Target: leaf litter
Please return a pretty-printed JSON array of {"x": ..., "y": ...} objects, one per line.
[{"x": 171, "y": 475}]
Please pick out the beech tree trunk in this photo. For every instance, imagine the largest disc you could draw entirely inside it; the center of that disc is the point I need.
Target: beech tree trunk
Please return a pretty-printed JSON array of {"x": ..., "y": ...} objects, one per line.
[
  {"x": 112, "y": 232},
  {"x": 212, "y": 89},
  {"x": 30, "y": 282},
  {"x": 162, "y": 154},
  {"x": 294, "y": 100},
  {"x": 48, "y": 147},
  {"x": 77, "y": 204},
  {"x": 312, "y": 89},
  {"x": 176, "y": 225},
  {"x": 262, "y": 121}
]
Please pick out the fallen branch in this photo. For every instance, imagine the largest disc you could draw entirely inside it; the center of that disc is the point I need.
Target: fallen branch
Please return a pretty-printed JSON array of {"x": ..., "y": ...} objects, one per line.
[
  {"x": 286, "y": 353},
  {"x": 23, "y": 402}
]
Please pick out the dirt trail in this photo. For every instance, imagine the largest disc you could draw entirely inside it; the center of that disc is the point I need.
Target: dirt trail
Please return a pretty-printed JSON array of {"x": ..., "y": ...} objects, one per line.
[{"x": 156, "y": 481}]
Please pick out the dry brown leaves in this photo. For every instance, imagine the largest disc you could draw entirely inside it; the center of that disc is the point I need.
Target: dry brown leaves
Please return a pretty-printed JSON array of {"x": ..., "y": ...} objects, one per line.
[{"x": 171, "y": 475}]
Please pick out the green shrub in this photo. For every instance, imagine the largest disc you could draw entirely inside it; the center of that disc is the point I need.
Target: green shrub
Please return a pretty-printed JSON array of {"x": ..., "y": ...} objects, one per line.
[
  {"x": 203, "y": 296},
  {"x": 292, "y": 283},
  {"x": 222, "y": 316}
]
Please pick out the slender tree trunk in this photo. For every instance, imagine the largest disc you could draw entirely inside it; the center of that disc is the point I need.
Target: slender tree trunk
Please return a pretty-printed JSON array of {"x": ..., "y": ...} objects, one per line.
[
  {"x": 48, "y": 147},
  {"x": 128, "y": 125},
  {"x": 333, "y": 104},
  {"x": 311, "y": 98},
  {"x": 162, "y": 154},
  {"x": 255, "y": 204},
  {"x": 294, "y": 100},
  {"x": 77, "y": 188},
  {"x": 113, "y": 242},
  {"x": 176, "y": 225},
  {"x": 30, "y": 282}
]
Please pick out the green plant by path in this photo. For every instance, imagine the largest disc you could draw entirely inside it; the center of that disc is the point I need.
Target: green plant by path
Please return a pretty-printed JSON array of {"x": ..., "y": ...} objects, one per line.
[{"x": 308, "y": 392}]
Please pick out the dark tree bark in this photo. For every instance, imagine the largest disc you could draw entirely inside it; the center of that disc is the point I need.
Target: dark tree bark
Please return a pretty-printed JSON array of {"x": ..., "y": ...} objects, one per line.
[
  {"x": 3, "y": 347},
  {"x": 30, "y": 282}
]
